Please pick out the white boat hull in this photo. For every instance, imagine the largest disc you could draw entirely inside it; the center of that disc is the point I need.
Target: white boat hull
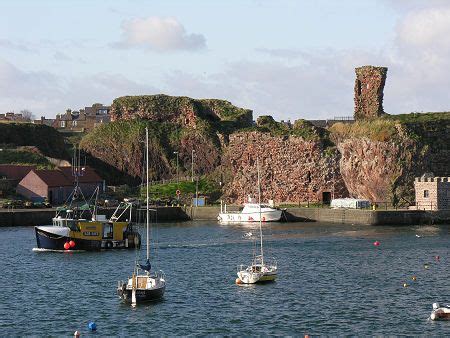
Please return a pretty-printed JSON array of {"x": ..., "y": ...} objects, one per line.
[
  {"x": 257, "y": 273},
  {"x": 241, "y": 217},
  {"x": 440, "y": 312}
]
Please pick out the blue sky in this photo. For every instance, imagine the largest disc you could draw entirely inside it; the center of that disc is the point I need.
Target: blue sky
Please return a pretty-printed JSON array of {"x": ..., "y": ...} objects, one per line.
[{"x": 290, "y": 59}]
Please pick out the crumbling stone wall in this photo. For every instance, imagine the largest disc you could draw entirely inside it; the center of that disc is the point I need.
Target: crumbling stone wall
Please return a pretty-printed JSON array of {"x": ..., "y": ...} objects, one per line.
[
  {"x": 292, "y": 169},
  {"x": 369, "y": 85}
]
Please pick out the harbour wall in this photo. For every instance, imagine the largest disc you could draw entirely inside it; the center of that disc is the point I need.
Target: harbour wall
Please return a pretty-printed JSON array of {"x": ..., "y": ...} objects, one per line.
[
  {"x": 343, "y": 216},
  {"x": 26, "y": 217}
]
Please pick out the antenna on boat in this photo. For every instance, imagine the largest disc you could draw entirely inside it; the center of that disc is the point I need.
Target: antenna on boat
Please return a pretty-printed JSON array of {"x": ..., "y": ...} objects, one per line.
[
  {"x": 148, "y": 210},
  {"x": 259, "y": 204}
]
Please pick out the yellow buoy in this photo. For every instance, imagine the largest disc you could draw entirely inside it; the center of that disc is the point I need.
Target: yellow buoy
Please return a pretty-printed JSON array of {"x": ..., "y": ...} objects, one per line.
[{"x": 405, "y": 285}]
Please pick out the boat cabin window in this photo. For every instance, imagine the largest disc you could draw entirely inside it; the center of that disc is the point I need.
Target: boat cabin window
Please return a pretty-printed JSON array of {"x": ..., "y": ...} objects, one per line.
[
  {"x": 107, "y": 230},
  {"x": 72, "y": 224}
]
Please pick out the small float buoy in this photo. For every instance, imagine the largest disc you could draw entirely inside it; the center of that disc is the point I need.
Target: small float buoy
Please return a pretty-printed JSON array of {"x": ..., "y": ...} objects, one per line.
[
  {"x": 413, "y": 278},
  {"x": 92, "y": 326},
  {"x": 437, "y": 258},
  {"x": 76, "y": 334},
  {"x": 67, "y": 246},
  {"x": 425, "y": 266},
  {"x": 238, "y": 281},
  {"x": 405, "y": 285},
  {"x": 376, "y": 243},
  {"x": 72, "y": 244}
]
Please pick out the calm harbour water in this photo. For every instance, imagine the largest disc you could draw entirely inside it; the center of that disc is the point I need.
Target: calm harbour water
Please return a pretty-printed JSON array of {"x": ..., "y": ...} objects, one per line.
[{"x": 332, "y": 281}]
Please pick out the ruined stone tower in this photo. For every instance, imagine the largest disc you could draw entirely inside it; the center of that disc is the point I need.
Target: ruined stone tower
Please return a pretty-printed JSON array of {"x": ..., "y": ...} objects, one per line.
[{"x": 369, "y": 85}]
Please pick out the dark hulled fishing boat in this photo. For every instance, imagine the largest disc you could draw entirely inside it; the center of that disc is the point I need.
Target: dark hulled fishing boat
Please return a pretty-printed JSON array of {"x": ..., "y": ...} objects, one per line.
[{"x": 78, "y": 227}]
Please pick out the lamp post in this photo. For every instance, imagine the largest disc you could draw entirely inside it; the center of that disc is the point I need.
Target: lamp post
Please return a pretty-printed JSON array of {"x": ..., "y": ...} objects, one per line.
[
  {"x": 178, "y": 180},
  {"x": 192, "y": 165}
]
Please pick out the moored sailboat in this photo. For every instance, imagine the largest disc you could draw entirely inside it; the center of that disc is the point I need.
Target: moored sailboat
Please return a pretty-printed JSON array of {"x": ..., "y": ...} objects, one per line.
[
  {"x": 261, "y": 269},
  {"x": 144, "y": 285}
]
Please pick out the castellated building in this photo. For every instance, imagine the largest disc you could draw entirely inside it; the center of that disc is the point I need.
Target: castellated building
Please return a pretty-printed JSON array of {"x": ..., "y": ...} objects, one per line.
[
  {"x": 432, "y": 193},
  {"x": 369, "y": 86}
]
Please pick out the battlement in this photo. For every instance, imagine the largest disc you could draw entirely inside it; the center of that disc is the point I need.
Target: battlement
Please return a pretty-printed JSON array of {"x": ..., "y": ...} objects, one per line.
[{"x": 432, "y": 179}]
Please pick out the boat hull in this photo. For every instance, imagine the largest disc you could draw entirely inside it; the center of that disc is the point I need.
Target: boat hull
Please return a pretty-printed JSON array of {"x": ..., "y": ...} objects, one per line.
[
  {"x": 440, "y": 314},
  {"x": 247, "y": 277},
  {"x": 142, "y": 295},
  {"x": 240, "y": 217},
  {"x": 55, "y": 240}
]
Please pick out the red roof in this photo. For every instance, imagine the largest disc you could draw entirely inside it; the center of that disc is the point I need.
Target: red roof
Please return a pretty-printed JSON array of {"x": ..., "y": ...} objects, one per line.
[
  {"x": 53, "y": 178},
  {"x": 88, "y": 175},
  {"x": 15, "y": 172}
]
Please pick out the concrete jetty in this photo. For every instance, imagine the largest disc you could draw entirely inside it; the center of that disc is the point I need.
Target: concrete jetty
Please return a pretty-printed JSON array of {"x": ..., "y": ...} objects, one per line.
[{"x": 27, "y": 217}]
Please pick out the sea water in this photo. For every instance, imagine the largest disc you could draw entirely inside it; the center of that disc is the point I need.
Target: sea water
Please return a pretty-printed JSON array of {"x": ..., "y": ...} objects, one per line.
[{"x": 332, "y": 281}]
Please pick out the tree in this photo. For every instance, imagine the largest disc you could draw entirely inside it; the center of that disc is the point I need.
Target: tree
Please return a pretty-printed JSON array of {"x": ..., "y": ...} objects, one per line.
[{"x": 27, "y": 115}]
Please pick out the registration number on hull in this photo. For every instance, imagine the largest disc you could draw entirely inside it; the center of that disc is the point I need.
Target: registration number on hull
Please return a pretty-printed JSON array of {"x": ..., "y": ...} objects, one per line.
[{"x": 90, "y": 233}]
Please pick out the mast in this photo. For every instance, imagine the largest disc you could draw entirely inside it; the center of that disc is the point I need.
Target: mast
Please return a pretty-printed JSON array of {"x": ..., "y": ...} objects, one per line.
[
  {"x": 259, "y": 204},
  {"x": 148, "y": 211}
]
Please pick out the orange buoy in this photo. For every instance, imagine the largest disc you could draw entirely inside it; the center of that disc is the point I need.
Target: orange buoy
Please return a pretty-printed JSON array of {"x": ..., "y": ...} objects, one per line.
[
  {"x": 238, "y": 281},
  {"x": 72, "y": 244},
  {"x": 414, "y": 278},
  {"x": 67, "y": 246}
]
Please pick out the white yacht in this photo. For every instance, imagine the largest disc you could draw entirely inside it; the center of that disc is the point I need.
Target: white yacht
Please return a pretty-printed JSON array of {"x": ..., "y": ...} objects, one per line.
[
  {"x": 252, "y": 212},
  {"x": 261, "y": 269}
]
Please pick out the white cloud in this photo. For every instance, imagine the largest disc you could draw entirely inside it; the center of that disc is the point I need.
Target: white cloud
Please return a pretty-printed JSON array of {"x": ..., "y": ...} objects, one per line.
[
  {"x": 158, "y": 34},
  {"x": 314, "y": 84},
  {"x": 8, "y": 44},
  {"x": 427, "y": 28},
  {"x": 45, "y": 93}
]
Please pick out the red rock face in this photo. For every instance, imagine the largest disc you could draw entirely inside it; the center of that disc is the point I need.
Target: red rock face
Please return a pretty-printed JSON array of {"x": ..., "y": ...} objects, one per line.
[
  {"x": 206, "y": 154},
  {"x": 373, "y": 169},
  {"x": 369, "y": 85},
  {"x": 292, "y": 170}
]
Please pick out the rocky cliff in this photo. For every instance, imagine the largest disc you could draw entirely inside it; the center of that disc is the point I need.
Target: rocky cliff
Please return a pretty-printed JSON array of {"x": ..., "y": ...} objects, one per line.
[
  {"x": 293, "y": 169},
  {"x": 176, "y": 125},
  {"x": 376, "y": 159},
  {"x": 380, "y": 158}
]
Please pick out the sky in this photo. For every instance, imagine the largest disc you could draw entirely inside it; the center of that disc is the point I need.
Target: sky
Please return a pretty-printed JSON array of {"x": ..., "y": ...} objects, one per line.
[{"x": 285, "y": 58}]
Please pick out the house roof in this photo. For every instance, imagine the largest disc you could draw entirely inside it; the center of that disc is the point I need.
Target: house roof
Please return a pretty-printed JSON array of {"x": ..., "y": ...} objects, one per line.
[
  {"x": 89, "y": 175},
  {"x": 14, "y": 171},
  {"x": 53, "y": 178}
]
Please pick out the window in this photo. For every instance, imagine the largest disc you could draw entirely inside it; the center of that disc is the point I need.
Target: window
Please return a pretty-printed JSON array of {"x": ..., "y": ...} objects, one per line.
[
  {"x": 74, "y": 123},
  {"x": 63, "y": 124},
  {"x": 426, "y": 193}
]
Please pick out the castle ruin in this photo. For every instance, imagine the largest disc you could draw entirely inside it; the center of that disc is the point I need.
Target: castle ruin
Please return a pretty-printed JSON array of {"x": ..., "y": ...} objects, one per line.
[{"x": 369, "y": 85}]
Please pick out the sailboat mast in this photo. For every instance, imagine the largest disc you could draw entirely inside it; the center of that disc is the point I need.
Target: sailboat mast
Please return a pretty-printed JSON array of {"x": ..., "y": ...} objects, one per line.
[
  {"x": 259, "y": 204},
  {"x": 148, "y": 211}
]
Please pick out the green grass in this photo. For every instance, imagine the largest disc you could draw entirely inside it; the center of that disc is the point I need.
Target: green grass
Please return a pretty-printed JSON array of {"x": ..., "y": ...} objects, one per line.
[
  {"x": 24, "y": 158},
  {"x": 205, "y": 187}
]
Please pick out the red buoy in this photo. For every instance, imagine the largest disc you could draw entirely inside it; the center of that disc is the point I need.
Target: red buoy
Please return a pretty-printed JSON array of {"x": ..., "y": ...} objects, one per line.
[
  {"x": 376, "y": 243},
  {"x": 72, "y": 244},
  {"x": 67, "y": 246}
]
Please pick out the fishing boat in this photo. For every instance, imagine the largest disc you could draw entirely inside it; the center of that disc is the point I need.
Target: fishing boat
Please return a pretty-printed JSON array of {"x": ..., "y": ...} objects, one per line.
[
  {"x": 252, "y": 212},
  {"x": 440, "y": 312},
  {"x": 144, "y": 285},
  {"x": 261, "y": 269},
  {"x": 77, "y": 226}
]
